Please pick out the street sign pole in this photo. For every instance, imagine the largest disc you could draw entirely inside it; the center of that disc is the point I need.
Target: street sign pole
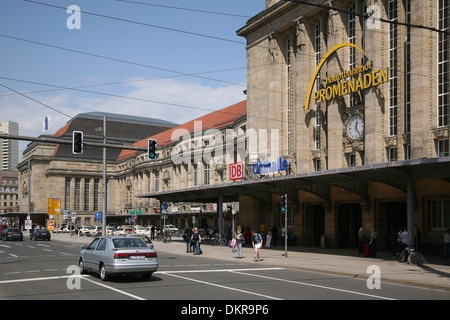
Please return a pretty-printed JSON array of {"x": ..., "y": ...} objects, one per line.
[
  {"x": 104, "y": 179},
  {"x": 285, "y": 230}
]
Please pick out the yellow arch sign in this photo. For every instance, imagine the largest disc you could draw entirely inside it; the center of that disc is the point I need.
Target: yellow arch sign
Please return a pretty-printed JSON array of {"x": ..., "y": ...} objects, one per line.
[{"x": 322, "y": 62}]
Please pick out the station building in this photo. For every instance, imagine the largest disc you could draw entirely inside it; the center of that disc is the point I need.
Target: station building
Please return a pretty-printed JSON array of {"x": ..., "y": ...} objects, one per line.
[
  {"x": 362, "y": 110},
  {"x": 346, "y": 114}
]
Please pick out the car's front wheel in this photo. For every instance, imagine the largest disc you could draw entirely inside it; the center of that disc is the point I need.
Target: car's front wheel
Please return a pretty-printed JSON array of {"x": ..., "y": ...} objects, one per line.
[{"x": 81, "y": 266}]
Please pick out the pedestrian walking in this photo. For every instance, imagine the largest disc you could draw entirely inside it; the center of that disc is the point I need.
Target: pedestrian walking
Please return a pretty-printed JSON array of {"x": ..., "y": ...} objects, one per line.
[
  {"x": 197, "y": 238},
  {"x": 239, "y": 241},
  {"x": 257, "y": 242},
  {"x": 152, "y": 232}
]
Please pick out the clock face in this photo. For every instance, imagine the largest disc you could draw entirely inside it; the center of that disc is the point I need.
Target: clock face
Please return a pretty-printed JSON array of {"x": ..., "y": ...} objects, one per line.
[{"x": 355, "y": 127}]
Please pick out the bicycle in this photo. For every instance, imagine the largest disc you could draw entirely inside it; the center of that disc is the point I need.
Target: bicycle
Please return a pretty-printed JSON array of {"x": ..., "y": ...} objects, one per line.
[
  {"x": 218, "y": 240},
  {"x": 411, "y": 256},
  {"x": 164, "y": 237}
]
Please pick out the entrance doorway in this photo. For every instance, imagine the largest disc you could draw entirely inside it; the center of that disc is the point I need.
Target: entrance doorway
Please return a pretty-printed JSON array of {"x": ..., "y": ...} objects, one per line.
[
  {"x": 314, "y": 225},
  {"x": 348, "y": 224},
  {"x": 390, "y": 214}
]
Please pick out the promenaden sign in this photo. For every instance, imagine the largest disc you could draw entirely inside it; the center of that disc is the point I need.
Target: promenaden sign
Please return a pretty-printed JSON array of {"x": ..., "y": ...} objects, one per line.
[{"x": 339, "y": 85}]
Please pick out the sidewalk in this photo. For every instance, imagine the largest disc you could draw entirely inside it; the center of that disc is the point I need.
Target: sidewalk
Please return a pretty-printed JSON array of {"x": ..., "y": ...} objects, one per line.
[{"x": 336, "y": 261}]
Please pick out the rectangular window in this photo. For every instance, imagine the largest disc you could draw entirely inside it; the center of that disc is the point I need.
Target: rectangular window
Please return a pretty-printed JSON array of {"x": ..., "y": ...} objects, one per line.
[
  {"x": 407, "y": 151},
  {"x": 77, "y": 194},
  {"x": 353, "y": 97},
  {"x": 352, "y": 160},
  {"x": 317, "y": 111},
  {"x": 96, "y": 194},
  {"x": 444, "y": 64},
  {"x": 440, "y": 214},
  {"x": 206, "y": 173},
  {"x": 157, "y": 174},
  {"x": 317, "y": 165},
  {"x": 443, "y": 148},
  {"x": 289, "y": 93},
  {"x": 393, "y": 68},
  {"x": 408, "y": 69},
  {"x": 67, "y": 195},
  {"x": 195, "y": 165},
  {"x": 392, "y": 154},
  {"x": 87, "y": 184}
]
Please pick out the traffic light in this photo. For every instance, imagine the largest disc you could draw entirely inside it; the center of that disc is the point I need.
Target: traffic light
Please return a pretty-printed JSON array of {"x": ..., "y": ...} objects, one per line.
[
  {"x": 151, "y": 149},
  {"x": 283, "y": 203},
  {"x": 77, "y": 142}
]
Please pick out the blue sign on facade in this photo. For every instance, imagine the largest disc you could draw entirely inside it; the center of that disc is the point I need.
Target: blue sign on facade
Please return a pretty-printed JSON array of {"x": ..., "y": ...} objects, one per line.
[{"x": 267, "y": 167}]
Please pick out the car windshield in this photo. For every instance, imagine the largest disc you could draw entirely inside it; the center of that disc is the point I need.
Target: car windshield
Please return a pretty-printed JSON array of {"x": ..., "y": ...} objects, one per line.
[
  {"x": 129, "y": 243},
  {"x": 41, "y": 230},
  {"x": 14, "y": 230}
]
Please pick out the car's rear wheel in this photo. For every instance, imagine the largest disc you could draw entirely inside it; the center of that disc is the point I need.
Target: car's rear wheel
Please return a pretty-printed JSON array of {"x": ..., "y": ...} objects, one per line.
[
  {"x": 147, "y": 276},
  {"x": 103, "y": 274}
]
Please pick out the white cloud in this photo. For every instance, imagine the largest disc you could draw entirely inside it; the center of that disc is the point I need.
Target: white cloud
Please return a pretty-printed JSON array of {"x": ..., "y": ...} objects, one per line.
[
  {"x": 174, "y": 100},
  {"x": 179, "y": 102}
]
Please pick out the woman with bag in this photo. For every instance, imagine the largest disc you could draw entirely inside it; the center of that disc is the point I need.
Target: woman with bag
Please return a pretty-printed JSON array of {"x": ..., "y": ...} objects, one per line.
[{"x": 197, "y": 238}]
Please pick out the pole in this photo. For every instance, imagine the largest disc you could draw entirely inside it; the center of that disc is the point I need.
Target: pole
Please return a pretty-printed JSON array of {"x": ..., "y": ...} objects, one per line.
[
  {"x": 410, "y": 211},
  {"x": 29, "y": 190},
  {"x": 285, "y": 229},
  {"x": 104, "y": 179}
]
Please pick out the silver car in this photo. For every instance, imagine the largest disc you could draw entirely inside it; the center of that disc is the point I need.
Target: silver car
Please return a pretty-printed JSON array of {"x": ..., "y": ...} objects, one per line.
[{"x": 118, "y": 255}]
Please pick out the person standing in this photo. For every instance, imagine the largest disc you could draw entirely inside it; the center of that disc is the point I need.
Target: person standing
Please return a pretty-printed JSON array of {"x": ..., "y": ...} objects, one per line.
[
  {"x": 247, "y": 236},
  {"x": 373, "y": 243},
  {"x": 393, "y": 241},
  {"x": 152, "y": 232},
  {"x": 187, "y": 237},
  {"x": 361, "y": 241},
  {"x": 239, "y": 240},
  {"x": 257, "y": 242},
  {"x": 268, "y": 239},
  {"x": 404, "y": 240},
  {"x": 197, "y": 238}
]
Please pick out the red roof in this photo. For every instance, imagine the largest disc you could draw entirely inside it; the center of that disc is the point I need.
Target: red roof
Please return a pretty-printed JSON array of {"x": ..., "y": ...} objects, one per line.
[{"x": 214, "y": 120}]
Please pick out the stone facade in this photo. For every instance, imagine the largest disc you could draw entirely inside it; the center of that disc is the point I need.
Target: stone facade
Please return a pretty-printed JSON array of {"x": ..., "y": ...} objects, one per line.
[{"x": 285, "y": 45}]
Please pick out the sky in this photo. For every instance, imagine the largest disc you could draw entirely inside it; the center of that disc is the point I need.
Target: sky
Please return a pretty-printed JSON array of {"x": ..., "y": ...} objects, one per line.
[{"x": 174, "y": 60}]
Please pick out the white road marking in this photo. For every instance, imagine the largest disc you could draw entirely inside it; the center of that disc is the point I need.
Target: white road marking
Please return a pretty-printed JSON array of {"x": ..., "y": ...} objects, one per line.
[
  {"x": 36, "y": 279},
  {"x": 313, "y": 285},
  {"x": 173, "y": 274},
  {"x": 114, "y": 289}
]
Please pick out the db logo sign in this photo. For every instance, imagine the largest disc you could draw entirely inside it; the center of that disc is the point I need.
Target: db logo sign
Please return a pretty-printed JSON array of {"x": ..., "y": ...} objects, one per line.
[{"x": 237, "y": 171}]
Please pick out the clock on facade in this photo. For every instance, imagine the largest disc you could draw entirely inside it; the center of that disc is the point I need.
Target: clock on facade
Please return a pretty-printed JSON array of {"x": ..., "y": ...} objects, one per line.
[{"x": 355, "y": 127}]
